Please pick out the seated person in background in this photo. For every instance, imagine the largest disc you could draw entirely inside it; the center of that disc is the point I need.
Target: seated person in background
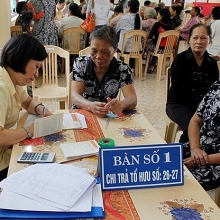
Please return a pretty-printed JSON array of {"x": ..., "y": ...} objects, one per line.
[
  {"x": 24, "y": 17},
  {"x": 141, "y": 12},
  {"x": 175, "y": 11},
  {"x": 73, "y": 19},
  {"x": 21, "y": 60},
  {"x": 214, "y": 46},
  {"x": 164, "y": 23},
  {"x": 192, "y": 73},
  {"x": 202, "y": 153},
  {"x": 60, "y": 4},
  {"x": 150, "y": 16},
  {"x": 160, "y": 6},
  {"x": 184, "y": 32},
  {"x": 118, "y": 11},
  {"x": 98, "y": 78}
]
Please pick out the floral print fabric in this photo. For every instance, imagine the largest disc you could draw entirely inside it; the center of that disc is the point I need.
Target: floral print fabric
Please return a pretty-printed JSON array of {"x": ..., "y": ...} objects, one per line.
[{"x": 209, "y": 111}]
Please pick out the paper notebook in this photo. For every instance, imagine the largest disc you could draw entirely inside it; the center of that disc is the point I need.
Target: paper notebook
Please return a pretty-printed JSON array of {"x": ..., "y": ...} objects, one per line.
[{"x": 79, "y": 149}]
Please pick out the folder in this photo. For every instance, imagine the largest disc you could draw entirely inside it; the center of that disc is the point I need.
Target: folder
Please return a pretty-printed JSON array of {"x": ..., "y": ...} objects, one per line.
[{"x": 96, "y": 212}]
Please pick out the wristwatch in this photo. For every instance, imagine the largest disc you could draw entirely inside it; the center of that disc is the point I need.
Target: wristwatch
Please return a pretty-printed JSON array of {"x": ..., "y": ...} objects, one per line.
[{"x": 29, "y": 134}]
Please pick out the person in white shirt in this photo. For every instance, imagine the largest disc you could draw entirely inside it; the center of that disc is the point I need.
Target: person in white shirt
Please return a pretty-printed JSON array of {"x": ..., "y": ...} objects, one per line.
[
  {"x": 214, "y": 47},
  {"x": 101, "y": 10},
  {"x": 73, "y": 19}
]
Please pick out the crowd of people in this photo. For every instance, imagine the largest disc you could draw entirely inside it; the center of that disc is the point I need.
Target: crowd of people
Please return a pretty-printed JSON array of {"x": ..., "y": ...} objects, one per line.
[{"x": 193, "y": 98}]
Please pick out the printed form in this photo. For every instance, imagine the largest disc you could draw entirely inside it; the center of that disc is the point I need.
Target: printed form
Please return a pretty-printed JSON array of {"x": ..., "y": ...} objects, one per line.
[{"x": 56, "y": 185}]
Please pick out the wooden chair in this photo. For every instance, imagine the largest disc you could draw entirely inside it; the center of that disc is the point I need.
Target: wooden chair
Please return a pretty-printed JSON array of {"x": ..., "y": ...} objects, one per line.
[
  {"x": 74, "y": 40},
  {"x": 171, "y": 127},
  {"x": 172, "y": 38},
  {"x": 138, "y": 42},
  {"x": 50, "y": 90},
  {"x": 15, "y": 30}
]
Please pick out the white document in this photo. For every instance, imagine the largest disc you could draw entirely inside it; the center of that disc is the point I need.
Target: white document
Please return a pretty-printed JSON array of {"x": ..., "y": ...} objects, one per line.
[
  {"x": 71, "y": 121},
  {"x": 56, "y": 185},
  {"x": 48, "y": 125},
  {"x": 13, "y": 201},
  {"x": 79, "y": 149},
  {"x": 82, "y": 120}
]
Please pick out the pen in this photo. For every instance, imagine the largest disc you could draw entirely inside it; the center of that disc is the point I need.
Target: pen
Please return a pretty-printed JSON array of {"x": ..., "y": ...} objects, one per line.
[
  {"x": 107, "y": 122},
  {"x": 44, "y": 111}
]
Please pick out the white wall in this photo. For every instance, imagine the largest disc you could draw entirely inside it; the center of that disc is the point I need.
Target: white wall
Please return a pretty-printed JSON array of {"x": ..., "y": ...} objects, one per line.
[{"x": 5, "y": 21}]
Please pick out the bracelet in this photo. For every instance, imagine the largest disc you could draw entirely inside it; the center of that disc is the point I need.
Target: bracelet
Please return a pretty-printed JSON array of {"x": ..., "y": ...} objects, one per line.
[
  {"x": 35, "y": 109},
  {"x": 29, "y": 134}
]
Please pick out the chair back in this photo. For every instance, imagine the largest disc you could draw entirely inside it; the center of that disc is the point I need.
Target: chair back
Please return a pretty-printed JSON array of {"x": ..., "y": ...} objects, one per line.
[
  {"x": 70, "y": 82},
  {"x": 170, "y": 40},
  {"x": 15, "y": 30},
  {"x": 138, "y": 42},
  {"x": 168, "y": 80},
  {"x": 74, "y": 40},
  {"x": 85, "y": 51},
  {"x": 218, "y": 63}
]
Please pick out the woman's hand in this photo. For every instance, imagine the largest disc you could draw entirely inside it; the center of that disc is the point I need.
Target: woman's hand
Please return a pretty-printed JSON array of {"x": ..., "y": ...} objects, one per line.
[
  {"x": 114, "y": 105},
  {"x": 98, "y": 109},
  {"x": 188, "y": 162},
  {"x": 199, "y": 156}
]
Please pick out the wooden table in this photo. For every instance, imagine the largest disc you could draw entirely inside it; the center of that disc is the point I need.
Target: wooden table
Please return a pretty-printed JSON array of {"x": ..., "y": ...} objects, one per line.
[{"x": 144, "y": 204}]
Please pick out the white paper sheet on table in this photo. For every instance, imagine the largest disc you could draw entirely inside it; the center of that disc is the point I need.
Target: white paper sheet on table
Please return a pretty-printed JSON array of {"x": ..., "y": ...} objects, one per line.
[
  {"x": 56, "y": 185},
  {"x": 13, "y": 201}
]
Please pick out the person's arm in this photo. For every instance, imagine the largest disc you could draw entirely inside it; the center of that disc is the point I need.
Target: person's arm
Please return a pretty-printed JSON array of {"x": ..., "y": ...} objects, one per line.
[{"x": 97, "y": 108}]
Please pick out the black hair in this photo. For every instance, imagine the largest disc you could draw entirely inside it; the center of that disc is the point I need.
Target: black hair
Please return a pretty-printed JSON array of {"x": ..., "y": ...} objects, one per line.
[
  {"x": 19, "y": 50},
  {"x": 216, "y": 13},
  {"x": 165, "y": 14},
  {"x": 74, "y": 8},
  {"x": 176, "y": 8},
  {"x": 119, "y": 8},
  {"x": 20, "y": 7},
  {"x": 197, "y": 10},
  {"x": 147, "y": 3},
  {"x": 207, "y": 27},
  {"x": 59, "y": 1},
  {"x": 106, "y": 33},
  {"x": 134, "y": 8}
]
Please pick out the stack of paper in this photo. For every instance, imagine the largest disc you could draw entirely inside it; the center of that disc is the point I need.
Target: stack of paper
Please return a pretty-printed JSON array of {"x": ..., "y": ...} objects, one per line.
[
  {"x": 52, "y": 189},
  {"x": 80, "y": 149}
]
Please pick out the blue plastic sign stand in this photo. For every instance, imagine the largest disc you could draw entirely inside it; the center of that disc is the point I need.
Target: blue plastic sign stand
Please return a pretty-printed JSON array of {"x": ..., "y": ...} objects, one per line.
[{"x": 141, "y": 166}]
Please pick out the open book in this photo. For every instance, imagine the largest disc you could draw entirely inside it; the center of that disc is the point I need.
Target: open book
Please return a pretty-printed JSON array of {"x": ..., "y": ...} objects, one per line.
[
  {"x": 55, "y": 123},
  {"x": 79, "y": 149}
]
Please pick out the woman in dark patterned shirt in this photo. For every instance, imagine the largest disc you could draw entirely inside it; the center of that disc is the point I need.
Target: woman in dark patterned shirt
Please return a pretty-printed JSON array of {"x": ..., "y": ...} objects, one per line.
[
  {"x": 97, "y": 78},
  {"x": 203, "y": 150}
]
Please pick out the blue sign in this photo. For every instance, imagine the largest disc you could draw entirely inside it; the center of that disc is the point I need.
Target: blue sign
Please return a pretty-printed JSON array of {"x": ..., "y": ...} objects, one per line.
[{"x": 141, "y": 166}]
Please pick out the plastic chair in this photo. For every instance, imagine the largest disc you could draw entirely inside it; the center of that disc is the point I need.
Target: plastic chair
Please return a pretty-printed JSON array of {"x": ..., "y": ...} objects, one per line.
[
  {"x": 50, "y": 90},
  {"x": 172, "y": 38},
  {"x": 171, "y": 127},
  {"x": 15, "y": 30},
  {"x": 138, "y": 42},
  {"x": 84, "y": 52},
  {"x": 74, "y": 40}
]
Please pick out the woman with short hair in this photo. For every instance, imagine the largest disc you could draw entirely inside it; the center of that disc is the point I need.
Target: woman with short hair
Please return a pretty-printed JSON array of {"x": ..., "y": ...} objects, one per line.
[
  {"x": 21, "y": 59},
  {"x": 98, "y": 77},
  {"x": 192, "y": 73}
]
